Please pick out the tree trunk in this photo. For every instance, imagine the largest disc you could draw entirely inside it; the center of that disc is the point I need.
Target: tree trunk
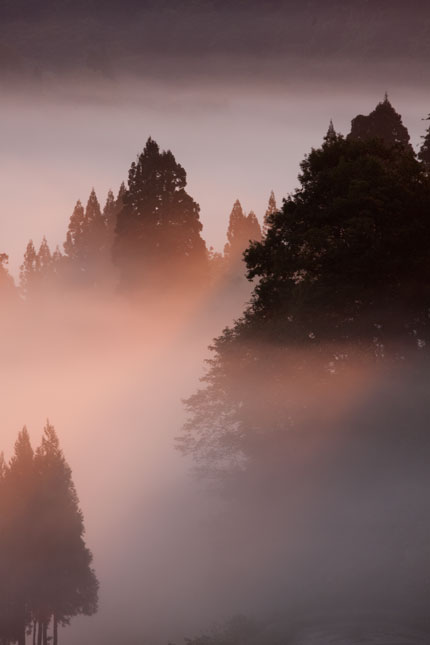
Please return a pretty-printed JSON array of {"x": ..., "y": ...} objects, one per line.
[
  {"x": 39, "y": 632},
  {"x": 45, "y": 633},
  {"x": 55, "y": 642},
  {"x": 34, "y": 631}
]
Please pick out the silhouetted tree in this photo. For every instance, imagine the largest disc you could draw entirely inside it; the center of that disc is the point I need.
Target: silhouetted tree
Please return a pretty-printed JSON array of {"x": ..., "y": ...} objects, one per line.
[
  {"x": 29, "y": 270},
  {"x": 383, "y": 123},
  {"x": 45, "y": 566},
  {"x": 86, "y": 244},
  {"x": 242, "y": 229},
  {"x": 271, "y": 210},
  {"x": 64, "y": 562},
  {"x": 158, "y": 239}
]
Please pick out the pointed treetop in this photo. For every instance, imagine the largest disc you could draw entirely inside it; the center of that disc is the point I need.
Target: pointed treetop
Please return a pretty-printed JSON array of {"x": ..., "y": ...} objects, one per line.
[
  {"x": 271, "y": 209},
  {"x": 382, "y": 123},
  {"x": 331, "y": 133}
]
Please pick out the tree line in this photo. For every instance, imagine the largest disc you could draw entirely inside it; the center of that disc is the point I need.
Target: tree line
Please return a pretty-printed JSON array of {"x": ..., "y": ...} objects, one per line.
[
  {"x": 45, "y": 567},
  {"x": 147, "y": 236}
]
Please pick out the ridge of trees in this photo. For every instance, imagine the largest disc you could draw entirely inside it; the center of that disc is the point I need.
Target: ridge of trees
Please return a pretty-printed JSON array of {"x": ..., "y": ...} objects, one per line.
[
  {"x": 149, "y": 234},
  {"x": 45, "y": 566}
]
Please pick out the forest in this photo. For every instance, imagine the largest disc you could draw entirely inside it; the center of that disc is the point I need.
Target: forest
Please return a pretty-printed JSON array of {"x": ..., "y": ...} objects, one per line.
[{"x": 331, "y": 290}]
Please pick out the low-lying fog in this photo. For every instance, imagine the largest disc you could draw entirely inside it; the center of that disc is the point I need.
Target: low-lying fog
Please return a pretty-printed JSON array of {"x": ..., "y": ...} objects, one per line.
[{"x": 345, "y": 532}]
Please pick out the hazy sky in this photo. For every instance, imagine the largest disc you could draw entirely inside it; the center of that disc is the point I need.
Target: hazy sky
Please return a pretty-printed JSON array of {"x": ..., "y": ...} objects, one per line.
[{"x": 239, "y": 91}]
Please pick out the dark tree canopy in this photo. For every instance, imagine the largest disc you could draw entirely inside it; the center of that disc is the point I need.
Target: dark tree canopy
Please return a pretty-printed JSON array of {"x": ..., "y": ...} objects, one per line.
[
  {"x": 350, "y": 246},
  {"x": 383, "y": 123},
  {"x": 158, "y": 229}
]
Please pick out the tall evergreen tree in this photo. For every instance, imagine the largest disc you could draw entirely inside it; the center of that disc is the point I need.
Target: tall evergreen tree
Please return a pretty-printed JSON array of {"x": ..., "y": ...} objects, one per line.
[
  {"x": 86, "y": 243},
  {"x": 271, "y": 210},
  {"x": 382, "y": 123},
  {"x": 64, "y": 562},
  {"x": 75, "y": 232},
  {"x": 242, "y": 229},
  {"x": 29, "y": 270},
  {"x": 158, "y": 241},
  {"x": 45, "y": 566}
]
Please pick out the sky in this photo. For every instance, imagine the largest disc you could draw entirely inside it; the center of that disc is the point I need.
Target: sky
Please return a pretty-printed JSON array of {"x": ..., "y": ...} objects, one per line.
[{"x": 239, "y": 92}]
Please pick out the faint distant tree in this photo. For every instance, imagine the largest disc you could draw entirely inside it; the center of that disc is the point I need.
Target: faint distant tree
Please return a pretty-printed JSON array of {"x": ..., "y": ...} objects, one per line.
[
  {"x": 242, "y": 229},
  {"x": 86, "y": 243},
  {"x": 271, "y": 210},
  {"x": 73, "y": 246},
  {"x": 383, "y": 123},
  {"x": 158, "y": 240},
  {"x": 7, "y": 286},
  {"x": 111, "y": 209},
  {"x": 68, "y": 585},
  {"x": 29, "y": 270},
  {"x": 45, "y": 566},
  {"x": 16, "y": 548}
]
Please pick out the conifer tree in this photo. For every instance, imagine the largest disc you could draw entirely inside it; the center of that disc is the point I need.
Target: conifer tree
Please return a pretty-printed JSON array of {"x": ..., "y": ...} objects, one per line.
[
  {"x": 271, "y": 210},
  {"x": 158, "y": 239},
  {"x": 64, "y": 562},
  {"x": 331, "y": 135},
  {"x": 242, "y": 229},
  {"x": 29, "y": 270},
  {"x": 45, "y": 566},
  {"x": 86, "y": 242},
  {"x": 382, "y": 123},
  {"x": 75, "y": 232}
]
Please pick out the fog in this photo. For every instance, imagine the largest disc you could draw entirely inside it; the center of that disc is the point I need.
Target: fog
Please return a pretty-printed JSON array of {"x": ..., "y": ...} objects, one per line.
[{"x": 332, "y": 528}]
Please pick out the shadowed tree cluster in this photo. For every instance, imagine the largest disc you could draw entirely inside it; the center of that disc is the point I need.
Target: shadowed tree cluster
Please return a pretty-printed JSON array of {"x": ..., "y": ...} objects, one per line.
[
  {"x": 342, "y": 271},
  {"x": 45, "y": 567}
]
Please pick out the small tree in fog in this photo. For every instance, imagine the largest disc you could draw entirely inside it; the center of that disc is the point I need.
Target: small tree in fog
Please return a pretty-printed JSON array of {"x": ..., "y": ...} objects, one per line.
[
  {"x": 45, "y": 567},
  {"x": 64, "y": 563},
  {"x": 242, "y": 229}
]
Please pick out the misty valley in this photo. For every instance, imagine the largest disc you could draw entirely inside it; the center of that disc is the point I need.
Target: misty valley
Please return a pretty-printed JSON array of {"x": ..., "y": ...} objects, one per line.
[{"x": 224, "y": 448}]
